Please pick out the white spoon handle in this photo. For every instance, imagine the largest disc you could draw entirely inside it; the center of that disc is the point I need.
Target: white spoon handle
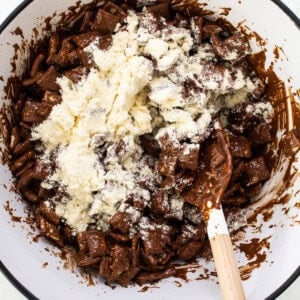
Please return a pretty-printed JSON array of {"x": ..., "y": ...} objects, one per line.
[{"x": 226, "y": 266}]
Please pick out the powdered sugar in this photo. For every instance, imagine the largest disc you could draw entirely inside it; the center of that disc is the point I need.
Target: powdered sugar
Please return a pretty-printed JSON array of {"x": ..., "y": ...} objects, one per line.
[
  {"x": 146, "y": 225},
  {"x": 261, "y": 109}
]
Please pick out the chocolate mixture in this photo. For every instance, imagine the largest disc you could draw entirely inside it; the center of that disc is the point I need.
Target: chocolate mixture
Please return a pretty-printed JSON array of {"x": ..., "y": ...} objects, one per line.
[{"x": 148, "y": 254}]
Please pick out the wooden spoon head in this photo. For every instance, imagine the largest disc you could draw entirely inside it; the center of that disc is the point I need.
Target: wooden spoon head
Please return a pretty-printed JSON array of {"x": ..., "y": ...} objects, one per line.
[{"x": 213, "y": 176}]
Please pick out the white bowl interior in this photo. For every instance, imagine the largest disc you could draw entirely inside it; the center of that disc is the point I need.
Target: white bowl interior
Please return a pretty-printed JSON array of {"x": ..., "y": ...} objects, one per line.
[{"x": 25, "y": 258}]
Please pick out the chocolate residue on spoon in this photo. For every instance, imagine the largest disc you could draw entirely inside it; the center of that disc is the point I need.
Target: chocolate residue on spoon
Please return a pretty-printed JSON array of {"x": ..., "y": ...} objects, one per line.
[{"x": 213, "y": 176}]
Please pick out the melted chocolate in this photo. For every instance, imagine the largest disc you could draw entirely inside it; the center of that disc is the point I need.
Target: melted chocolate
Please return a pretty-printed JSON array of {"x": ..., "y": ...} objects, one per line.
[
  {"x": 226, "y": 11},
  {"x": 18, "y": 31},
  {"x": 256, "y": 253}
]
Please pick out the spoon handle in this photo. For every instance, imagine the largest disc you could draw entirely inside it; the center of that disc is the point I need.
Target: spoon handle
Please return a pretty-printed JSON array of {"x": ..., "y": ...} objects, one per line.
[{"x": 226, "y": 265}]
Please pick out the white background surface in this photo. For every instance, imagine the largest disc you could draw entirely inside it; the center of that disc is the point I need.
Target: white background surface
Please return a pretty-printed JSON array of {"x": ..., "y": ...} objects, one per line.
[{"x": 7, "y": 291}]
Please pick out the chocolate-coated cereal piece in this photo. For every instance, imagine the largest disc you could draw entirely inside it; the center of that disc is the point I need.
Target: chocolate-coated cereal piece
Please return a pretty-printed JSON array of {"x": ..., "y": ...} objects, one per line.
[
  {"x": 36, "y": 65},
  {"x": 105, "y": 22},
  {"x": 121, "y": 221}
]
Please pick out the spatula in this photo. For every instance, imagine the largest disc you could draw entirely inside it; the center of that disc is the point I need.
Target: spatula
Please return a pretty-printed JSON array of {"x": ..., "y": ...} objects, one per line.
[{"x": 211, "y": 181}]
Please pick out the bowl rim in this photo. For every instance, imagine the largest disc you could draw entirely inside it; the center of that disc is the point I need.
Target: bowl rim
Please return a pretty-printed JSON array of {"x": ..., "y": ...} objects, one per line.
[{"x": 9, "y": 275}]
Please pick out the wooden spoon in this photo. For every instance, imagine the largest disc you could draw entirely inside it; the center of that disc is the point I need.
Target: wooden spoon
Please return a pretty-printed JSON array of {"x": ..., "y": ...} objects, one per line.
[{"x": 209, "y": 185}]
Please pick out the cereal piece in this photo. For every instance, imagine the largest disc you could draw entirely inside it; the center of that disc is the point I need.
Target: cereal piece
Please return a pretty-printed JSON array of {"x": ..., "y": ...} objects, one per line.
[
  {"x": 26, "y": 167},
  {"x": 159, "y": 202},
  {"x": 86, "y": 22},
  {"x": 35, "y": 112},
  {"x": 188, "y": 156},
  {"x": 84, "y": 260},
  {"x": 233, "y": 48},
  {"x": 210, "y": 30},
  {"x": 239, "y": 146},
  {"x": 31, "y": 196},
  {"x": 84, "y": 39},
  {"x": 5, "y": 134},
  {"x": 120, "y": 261},
  {"x": 114, "y": 9},
  {"x": 160, "y": 9},
  {"x": 167, "y": 163},
  {"x": 125, "y": 278},
  {"x": 139, "y": 204},
  {"x": 21, "y": 161},
  {"x": 104, "y": 22},
  {"x": 41, "y": 170},
  {"x": 206, "y": 251},
  {"x": 25, "y": 179},
  {"x": 238, "y": 171},
  {"x": 190, "y": 233},
  {"x": 260, "y": 134},
  {"x": 84, "y": 58},
  {"x": 36, "y": 65},
  {"x": 82, "y": 242},
  {"x": 176, "y": 208},
  {"x": 14, "y": 138},
  {"x": 190, "y": 251},
  {"x": 75, "y": 74},
  {"x": 104, "y": 268},
  {"x": 215, "y": 71},
  {"x": 168, "y": 182},
  {"x": 192, "y": 214},
  {"x": 156, "y": 241},
  {"x": 64, "y": 56},
  {"x": 26, "y": 128},
  {"x": 233, "y": 189},
  {"x": 121, "y": 221},
  {"x": 150, "y": 261},
  {"x": 47, "y": 81},
  {"x": 183, "y": 180},
  {"x": 48, "y": 213},
  {"x": 215, "y": 156},
  {"x": 23, "y": 147},
  {"x": 105, "y": 42},
  {"x": 256, "y": 171},
  {"x": 51, "y": 98},
  {"x": 135, "y": 250},
  {"x": 120, "y": 237},
  {"x": 96, "y": 243},
  {"x": 32, "y": 80},
  {"x": 156, "y": 262},
  {"x": 68, "y": 234},
  {"x": 50, "y": 231},
  {"x": 17, "y": 109},
  {"x": 44, "y": 193},
  {"x": 236, "y": 218},
  {"x": 253, "y": 190},
  {"x": 53, "y": 48}
]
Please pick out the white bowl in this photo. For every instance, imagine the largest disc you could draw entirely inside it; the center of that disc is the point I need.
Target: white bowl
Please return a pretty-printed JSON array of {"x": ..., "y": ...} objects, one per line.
[{"x": 22, "y": 259}]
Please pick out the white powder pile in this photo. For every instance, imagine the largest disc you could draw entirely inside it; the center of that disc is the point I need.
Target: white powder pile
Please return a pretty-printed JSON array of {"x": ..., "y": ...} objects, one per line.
[
  {"x": 145, "y": 225},
  {"x": 137, "y": 85},
  {"x": 261, "y": 109}
]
